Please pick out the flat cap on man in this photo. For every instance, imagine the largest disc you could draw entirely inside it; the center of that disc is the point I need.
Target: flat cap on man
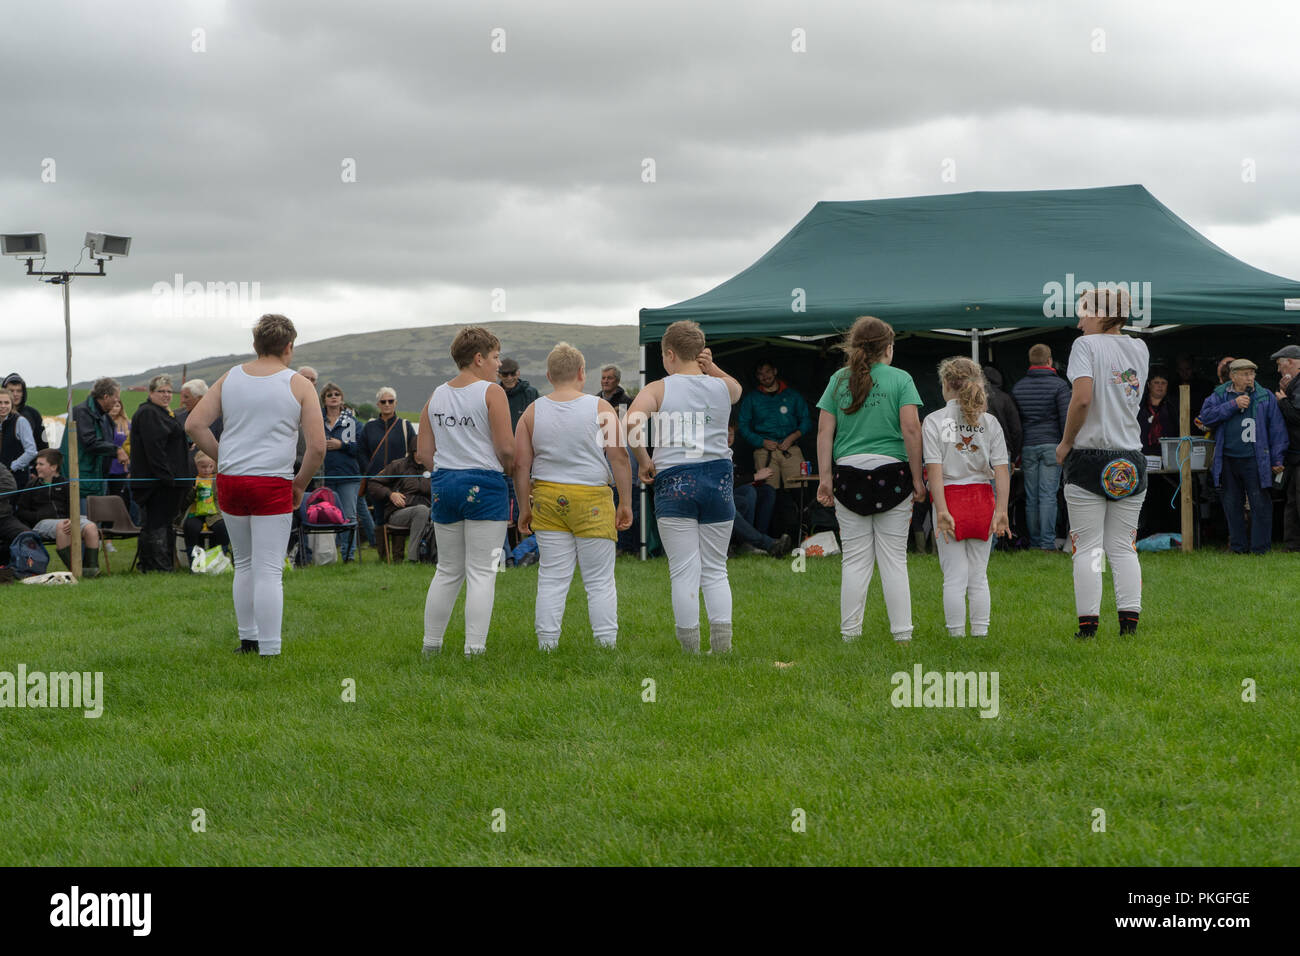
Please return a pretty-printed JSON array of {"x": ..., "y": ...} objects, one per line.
[
  {"x": 1289, "y": 351},
  {"x": 1243, "y": 365}
]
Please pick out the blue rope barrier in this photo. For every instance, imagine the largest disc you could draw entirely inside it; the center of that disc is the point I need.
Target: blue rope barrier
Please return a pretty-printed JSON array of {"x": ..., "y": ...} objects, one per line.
[{"x": 61, "y": 484}]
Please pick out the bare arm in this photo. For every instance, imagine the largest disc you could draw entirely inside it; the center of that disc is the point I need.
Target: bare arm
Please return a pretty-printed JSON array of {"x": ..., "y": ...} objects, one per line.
[
  {"x": 616, "y": 454},
  {"x": 524, "y": 471},
  {"x": 313, "y": 428},
  {"x": 1002, "y": 480},
  {"x": 909, "y": 420},
  {"x": 198, "y": 424},
  {"x": 503, "y": 438},
  {"x": 645, "y": 404},
  {"x": 825, "y": 463},
  {"x": 708, "y": 368},
  {"x": 943, "y": 520},
  {"x": 424, "y": 441}
]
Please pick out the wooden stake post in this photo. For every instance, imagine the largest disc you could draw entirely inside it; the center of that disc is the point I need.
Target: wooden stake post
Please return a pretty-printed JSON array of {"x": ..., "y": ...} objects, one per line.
[{"x": 1186, "y": 502}]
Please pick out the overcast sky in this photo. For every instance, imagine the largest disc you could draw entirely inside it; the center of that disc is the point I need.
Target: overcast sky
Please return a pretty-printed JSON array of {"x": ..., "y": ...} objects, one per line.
[{"x": 522, "y": 170}]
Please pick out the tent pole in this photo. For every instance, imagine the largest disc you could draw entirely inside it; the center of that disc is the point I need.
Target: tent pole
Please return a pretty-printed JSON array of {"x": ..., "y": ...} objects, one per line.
[
  {"x": 642, "y": 492},
  {"x": 975, "y": 346},
  {"x": 1186, "y": 504},
  {"x": 74, "y": 486}
]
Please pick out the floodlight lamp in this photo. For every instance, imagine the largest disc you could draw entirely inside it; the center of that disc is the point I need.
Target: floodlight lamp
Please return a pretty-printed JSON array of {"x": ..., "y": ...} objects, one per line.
[
  {"x": 28, "y": 245},
  {"x": 103, "y": 246}
]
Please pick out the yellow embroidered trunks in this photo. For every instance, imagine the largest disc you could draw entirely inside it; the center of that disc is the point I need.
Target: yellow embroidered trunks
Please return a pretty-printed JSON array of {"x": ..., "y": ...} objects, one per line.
[{"x": 584, "y": 511}]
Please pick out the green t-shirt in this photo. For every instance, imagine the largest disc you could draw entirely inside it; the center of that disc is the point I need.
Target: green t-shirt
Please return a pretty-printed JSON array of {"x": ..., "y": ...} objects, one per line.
[{"x": 873, "y": 429}]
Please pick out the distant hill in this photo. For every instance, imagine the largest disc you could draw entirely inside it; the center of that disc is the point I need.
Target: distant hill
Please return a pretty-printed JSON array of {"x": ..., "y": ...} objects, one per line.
[{"x": 415, "y": 361}]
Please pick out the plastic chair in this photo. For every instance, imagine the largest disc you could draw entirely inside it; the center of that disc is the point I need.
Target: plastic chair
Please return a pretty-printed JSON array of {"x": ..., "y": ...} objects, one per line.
[{"x": 110, "y": 514}]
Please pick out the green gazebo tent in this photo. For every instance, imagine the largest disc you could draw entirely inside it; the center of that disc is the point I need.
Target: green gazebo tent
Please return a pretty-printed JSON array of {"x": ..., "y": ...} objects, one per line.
[{"x": 984, "y": 263}]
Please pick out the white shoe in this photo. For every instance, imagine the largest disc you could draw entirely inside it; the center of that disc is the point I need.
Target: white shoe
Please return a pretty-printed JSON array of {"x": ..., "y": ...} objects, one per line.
[{"x": 108, "y": 546}]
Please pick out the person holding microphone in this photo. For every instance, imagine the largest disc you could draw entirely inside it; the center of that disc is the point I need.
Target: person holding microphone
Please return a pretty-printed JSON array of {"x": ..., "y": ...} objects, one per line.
[{"x": 1251, "y": 442}]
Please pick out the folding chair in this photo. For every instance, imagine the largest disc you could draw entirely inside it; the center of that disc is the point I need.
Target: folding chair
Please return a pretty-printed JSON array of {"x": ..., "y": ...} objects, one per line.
[
  {"x": 387, "y": 533},
  {"x": 308, "y": 528},
  {"x": 114, "y": 521}
]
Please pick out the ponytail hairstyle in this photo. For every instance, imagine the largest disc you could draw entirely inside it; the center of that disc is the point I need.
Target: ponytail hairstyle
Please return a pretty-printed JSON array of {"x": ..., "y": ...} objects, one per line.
[
  {"x": 966, "y": 379},
  {"x": 1109, "y": 303},
  {"x": 865, "y": 344}
]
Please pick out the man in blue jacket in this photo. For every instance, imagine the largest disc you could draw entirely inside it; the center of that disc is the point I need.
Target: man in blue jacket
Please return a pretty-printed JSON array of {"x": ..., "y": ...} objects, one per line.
[
  {"x": 1044, "y": 399},
  {"x": 772, "y": 419},
  {"x": 1251, "y": 441}
]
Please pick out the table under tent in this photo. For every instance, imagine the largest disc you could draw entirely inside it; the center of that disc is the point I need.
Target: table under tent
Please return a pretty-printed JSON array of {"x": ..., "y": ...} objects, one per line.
[{"x": 987, "y": 274}]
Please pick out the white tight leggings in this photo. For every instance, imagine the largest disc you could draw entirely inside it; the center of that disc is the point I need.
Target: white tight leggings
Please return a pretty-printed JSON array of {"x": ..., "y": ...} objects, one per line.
[
  {"x": 697, "y": 561},
  {"x": 965, "y": 567},
  {"x": 259, "y": 543},
  {"x": 466, "y": 549},
  {"x": 1101, "y": 527},
  {"x": 867, "y": 541},
  {"x": 558, "y": 553}
]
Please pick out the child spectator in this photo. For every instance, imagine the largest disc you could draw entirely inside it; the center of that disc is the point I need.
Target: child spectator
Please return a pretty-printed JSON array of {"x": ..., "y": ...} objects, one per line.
[
  {"x": 44, "y": 508},
  {"x": 567, "y": 448},
  {"x": 692, "y": 475},
  {"x": 465, "y": 438},
  {"x": 17, "y": 389},
  {"x": 199, "y": 509},
  {"x": 965, "y": 450}
]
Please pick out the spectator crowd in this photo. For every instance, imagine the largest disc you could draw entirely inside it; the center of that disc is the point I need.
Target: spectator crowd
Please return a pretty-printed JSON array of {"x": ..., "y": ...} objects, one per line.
[{"x": 164, "y": 484}]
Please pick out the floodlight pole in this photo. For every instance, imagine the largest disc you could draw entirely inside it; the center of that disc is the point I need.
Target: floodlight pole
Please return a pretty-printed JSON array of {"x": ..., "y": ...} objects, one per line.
[{"x": 74, "y": 488}]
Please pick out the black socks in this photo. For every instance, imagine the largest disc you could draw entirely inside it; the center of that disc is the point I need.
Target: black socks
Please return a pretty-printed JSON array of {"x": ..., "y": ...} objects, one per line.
[
  {"x": 1128, "y": 624},
  {"x": 1087, "y": 626}
]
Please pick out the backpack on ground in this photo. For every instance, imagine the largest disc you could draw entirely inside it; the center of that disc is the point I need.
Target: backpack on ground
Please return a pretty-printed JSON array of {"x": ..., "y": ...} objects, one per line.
[{"x": 27, "y": 555}]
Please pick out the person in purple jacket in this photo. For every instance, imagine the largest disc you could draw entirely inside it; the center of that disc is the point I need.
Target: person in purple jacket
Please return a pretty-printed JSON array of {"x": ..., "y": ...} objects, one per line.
[{"x": 1251, "y": 440}]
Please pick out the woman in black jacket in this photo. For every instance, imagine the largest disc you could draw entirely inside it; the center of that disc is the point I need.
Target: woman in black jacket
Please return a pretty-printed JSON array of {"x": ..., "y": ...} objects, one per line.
[{"x": 160, "y": 467}]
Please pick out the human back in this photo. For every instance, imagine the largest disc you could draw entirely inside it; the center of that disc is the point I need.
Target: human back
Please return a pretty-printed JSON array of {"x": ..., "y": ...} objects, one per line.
[
  {"x": 1118, "y": 366},
  {"x": 261, "y": 419},
  {"x": 458, "y": 415},
  {"x": 691, "y": 424},
  {"x": 873, "y": 426},
  {"x": 567, "y": 441}
]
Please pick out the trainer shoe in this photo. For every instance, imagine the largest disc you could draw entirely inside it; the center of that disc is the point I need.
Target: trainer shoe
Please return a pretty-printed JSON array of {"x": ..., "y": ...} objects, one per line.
[{"x": 246, "y": 647}]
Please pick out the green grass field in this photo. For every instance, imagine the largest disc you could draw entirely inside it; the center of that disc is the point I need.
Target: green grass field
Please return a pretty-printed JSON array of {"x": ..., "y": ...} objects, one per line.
[
  {"x": 1152, "y": 730},
  {"x": 54, "y": 401}
]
